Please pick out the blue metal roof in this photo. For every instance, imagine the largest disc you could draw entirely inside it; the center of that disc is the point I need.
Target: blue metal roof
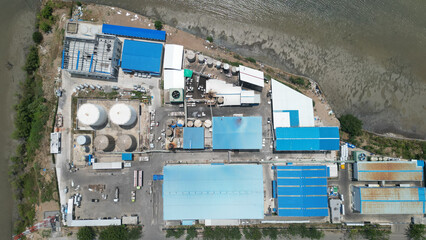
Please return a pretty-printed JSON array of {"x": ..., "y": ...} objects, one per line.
[
  {"x": 134, "y": 32},
  {"x": 142, "y": 56},
  {"x": 237, "y": 132},
  {"x": 213, "y": 192},
  {"x": 127, "y": 157},
  {"x": 302, "y": 191},
  {"x": 307, "y": 139},
  {"x": 193, "y": 138}
]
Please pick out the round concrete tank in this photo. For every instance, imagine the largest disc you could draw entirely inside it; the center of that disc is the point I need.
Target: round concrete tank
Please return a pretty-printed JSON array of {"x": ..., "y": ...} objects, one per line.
[
  {"x": 218, "y": 64},
  {"x": 190, "y": 124},
  {"x": 86, "y": 149},
  {"x": 169, "y": 132},
  {"x": 209, "y": 62},
  {"x": 201, "y": 58},
  {"x": 234, "y": 71},
  {"x": 226, "y": 67},
  {"x": 83, "y": 140},
  {"x": 92, "y": 115},
  {"x": 198, "y": 123},
  {"x": 104, "y": 143},
  {"x": 220, "y": 100},
  {"x": 170, "y": 122},
  {"x": 180, "y": 123},
  {"x": 126, "y": 142},
  {"x": 207, "y": 123},
  {"x": 122, "y": 114},
  {"x": 190, "y": 55}
]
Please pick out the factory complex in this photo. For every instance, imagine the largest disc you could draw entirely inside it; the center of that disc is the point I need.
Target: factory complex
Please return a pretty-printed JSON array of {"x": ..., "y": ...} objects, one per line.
[{"x": 155, "y": 134}]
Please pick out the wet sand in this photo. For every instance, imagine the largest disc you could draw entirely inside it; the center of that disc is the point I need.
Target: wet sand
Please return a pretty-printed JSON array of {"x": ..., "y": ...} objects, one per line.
[
  {"x": 366, "y": 56},
  {"x": 17, "y": 21}
]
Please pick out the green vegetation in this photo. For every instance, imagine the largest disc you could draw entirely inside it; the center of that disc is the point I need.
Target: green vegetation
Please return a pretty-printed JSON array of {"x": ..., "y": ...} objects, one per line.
[
  {"x": 120, "y": 233},
  {"x": 252, "y": 233},
  {"x": 78, "y": 3},
  {"x": 210, "y": 39},
  {"x": 46, "y": 11},
  {"x": 351, "y": 124},
  {"x": 416, "y": 232},
  {"x": 158, "y": 25},
  {"x": 176, "y": 233},
  {"x": 32, "y": 62},
  {"x": 86, "y": 233},
  {"x": 272, "y": 233},
  {"x": 373, "y": 232},
  {"x": 217, "y": 233},
  {"x": 191, "y": 233},
  {"x": 250, "y": 59},
  {"x": 235, "y": 64},
  {"x": 45, "y": 27},
  {"x": 37, "y": 37},
  {"x": 297, "y": 80},
  {"x": 304, "y": 232},
  {"x": 238, "y": 57},
  {"x": 45, "y": 17}
]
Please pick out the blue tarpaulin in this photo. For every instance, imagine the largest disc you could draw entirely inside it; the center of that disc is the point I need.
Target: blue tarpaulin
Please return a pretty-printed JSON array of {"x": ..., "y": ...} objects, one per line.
[
  {"x": 213, "y": 192},
  {"x": 302, "y": 191},
  {"x": 307, "y": 139},
  {"x": 237, "y": 132},
  {"x": 141, "y": 57},
  {"x": 193, "y": 138},
  {"x": 127, "y": 157},
  {"x": 134, "y": 32}
]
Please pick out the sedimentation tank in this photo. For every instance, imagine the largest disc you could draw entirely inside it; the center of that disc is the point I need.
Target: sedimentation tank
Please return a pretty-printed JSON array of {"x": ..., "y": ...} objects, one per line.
[
  {"x": 126, "y": 142},
  {"x": 104, "y": 143}
]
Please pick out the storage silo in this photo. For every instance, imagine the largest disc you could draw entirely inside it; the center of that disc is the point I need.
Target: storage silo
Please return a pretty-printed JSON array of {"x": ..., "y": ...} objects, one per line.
[
  {"x": 207, "y": 123},
  {"x": 226, "y": 67},
  {"x": 92, "y": 115},
  {"x": 218, "y": 64},
  {"x": 190, "y": 55},
  {"x": 198, "y": 123},
  {"x": 83, "y": 140},
  {"x": 180, "y": 123},
  {"x": 190, "y": 124},
  {"x": 170, "y": 122},
  {"x": 126, "y": 142},
  {"x": 234, "y": 71},
  {"x": 104, "y": 143},
  {"x": 122, "y": 114},
  {"x": 209, "y": 62},
  {"x": 201, "y": 58},
  {"x": 169, "y": 132}
]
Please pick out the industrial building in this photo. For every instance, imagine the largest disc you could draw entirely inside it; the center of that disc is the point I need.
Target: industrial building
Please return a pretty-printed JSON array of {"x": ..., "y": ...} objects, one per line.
[
  {"x": 389, "y": 200},
  {"x": 133, "y": 32},
  {"x": 301, "y": 191},
  {"x": 229, "y": 95},
  {"x": 293, "y": 120},
  {"x": 389, "y": 171},
  {"x": 88, "y": 53},
  {"x": 290, "y": 108},
  {"x": 307, "y": 139},
  {"x": 213, "y": 192},
  {"x": 173, "y": 56},
  {"x": 251, "y": 78},
  {"x": 174, "y": 79},
  {"x": 142, "y": 57},
  {"x": 237, "y": 133},
  {"x": 193, "y": 138}
]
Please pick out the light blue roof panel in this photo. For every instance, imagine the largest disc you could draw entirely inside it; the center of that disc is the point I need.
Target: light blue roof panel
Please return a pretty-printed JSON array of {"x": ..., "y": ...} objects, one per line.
[
  {"x": 134, "y": 32},
  {"x": 237, "y": 133},
  {"x": 193, "y": 138},
  {"x": 307, "y": 139},
  {"x": 212, "y": 192}
]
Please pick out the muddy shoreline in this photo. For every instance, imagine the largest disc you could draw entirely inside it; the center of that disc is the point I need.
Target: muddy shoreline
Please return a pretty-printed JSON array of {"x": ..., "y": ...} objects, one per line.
[{"x": 359, "y": 76}]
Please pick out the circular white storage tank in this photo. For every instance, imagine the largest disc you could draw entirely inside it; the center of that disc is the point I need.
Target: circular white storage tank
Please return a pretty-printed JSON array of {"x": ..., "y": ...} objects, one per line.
[
  {"x": 190, "y": 124},
  {"x": 126, "y": 142},
  {"x": 201, "y": 58},
  {"x": 207, "y": 123},
  {"x": 218, "y": 64},
  {"x": 122, "y": 114},
  {"x": 234, "y": 71},
  {"x": 83, "y": 140},
  {"x": 226, "y": 67},
  {"x": 190, "y": 55},
  {"x": 92, "y": 114},
  {"x": 210, "y": 62},
  {"x": 180, "y": 123},
  {"x": 198, "y": 123}
]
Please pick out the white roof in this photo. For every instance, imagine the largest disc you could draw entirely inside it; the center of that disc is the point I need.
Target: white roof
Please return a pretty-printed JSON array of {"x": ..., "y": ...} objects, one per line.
[
  {"x": 251, "y": 76},
  {"x": 173, "y": 56},
  {"x": 231, "y": 94},
  {"x": 249, "y": 97},
  {"x": 122, "y": 114},
  {"x": 173, "y": 79},
  {"x": 107, "y": 165},
  {"x": 285, "y": 98},
  {"x": 55, "y": 142},
  {"x": 94, "y": 223}
]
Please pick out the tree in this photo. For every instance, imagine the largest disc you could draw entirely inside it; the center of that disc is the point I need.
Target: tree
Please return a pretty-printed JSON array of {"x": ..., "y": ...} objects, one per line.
[
  {"x": 158, "y": 25},
  {"x": 45, "y": 27},
  {"x": 416, "y": 232},
  {"x": 351, "y": 124},
  {"x": 32, "y": 62},
  {"x": 47, "y": 11},
  {"x": 114, "y": 233},
  {"x": 176, "y": 233},
  {"x": 191, "y": 233},
  {"x": 37, "y": 37},
  {"x": 373, "y": 232},
  {"x": 252, "y": 233},
  {"x": 272, "y": 233},
  {"x": 78, "y": 3},
  {"x": 210, "y": 39},
  {"x": 86, "y": 233}
]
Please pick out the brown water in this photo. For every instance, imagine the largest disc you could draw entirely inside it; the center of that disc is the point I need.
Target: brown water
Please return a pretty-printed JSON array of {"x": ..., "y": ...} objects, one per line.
[
  {"x": 368, "y": 56},
  {"x": 16, "y": 24}
]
